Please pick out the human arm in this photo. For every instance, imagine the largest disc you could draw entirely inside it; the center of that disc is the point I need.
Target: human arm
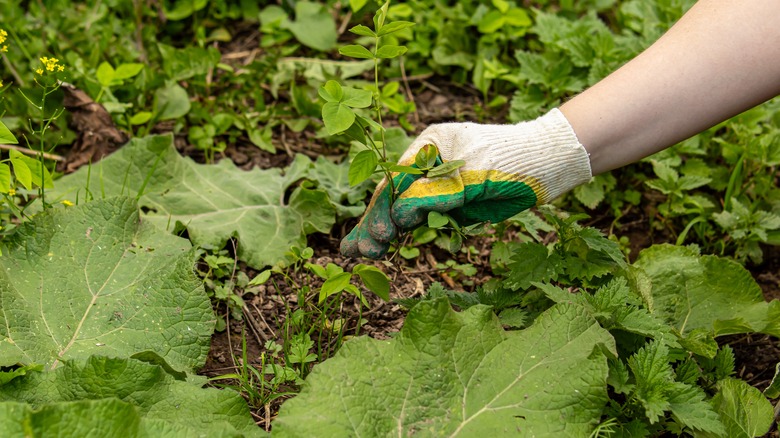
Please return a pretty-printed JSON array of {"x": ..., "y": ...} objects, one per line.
[{"x": 721, "y": 58}]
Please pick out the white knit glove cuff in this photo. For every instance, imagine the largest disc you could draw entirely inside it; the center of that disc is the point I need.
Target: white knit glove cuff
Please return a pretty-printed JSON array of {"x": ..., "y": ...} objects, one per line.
[{"x": 545, "y": 151}]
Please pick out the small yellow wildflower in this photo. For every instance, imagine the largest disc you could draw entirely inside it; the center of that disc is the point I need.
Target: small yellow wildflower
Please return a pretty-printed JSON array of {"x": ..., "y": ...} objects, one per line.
[
  {"x": 3, "y": 36},
  {"x": 39, "y": 71},
  {"x": 1, "y": 83},
  {"x": 66, "y": 203},
  {"x": 11, "y": 191}
]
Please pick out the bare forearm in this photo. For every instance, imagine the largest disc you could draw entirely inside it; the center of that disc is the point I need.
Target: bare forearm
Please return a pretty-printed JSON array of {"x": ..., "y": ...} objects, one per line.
[{"x": 721, "y": 58}]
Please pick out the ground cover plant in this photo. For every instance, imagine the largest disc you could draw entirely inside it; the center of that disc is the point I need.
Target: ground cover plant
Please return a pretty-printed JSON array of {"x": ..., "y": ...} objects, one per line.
[{"x": 176, "y": 177}]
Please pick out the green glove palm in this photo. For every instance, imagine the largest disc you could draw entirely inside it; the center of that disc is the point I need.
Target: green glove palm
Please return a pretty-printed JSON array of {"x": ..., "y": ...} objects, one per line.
[{"x": 508, "y": 169}]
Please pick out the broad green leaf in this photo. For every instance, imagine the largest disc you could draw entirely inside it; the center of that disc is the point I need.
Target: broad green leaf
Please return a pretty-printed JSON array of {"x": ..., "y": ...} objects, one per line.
[
  {"x": 459, "y": 374},
  {"x": 491, "y": 22},
  {"x": 93, "y": 278},
  {"x": 362, "y": 167},
  {"x": 21, "y": 170},
  {"x": 105, "y": 74},
  {"x": 390, "y": 51},
  {"x": 363, "y": 31},
  {"x": 140, "y": 118},
  {"x": 127, "y": 70},
  {"x": 314, "y": 26},
  {"x": 214, "y": 202},
  {"x": 334, "y": 179},
  {"x": 356, "y": 98},
  {"x": 707, "y": 292},
  {"x": 334, "y": 284},
  {"x": 375, "y": 280},
  {"x": 181, "y": 64},
  {"x": 356, "y": 51},
  {"x": 357, "y": 4},
  {"x": 395, "y": 26},
  {"x": 437, "y": 220},
  {"x": 172, "y": 101},
  {"x": 743, "y": 410},
  {"x": 6, "y": 137},
  {"x": 183, "y": 9},
  {"x": 100, "y": 394},
  {"x": 5, "y": 178},
  {"x": 331, "y": 91},
  {"x": 337, "y": 117}
]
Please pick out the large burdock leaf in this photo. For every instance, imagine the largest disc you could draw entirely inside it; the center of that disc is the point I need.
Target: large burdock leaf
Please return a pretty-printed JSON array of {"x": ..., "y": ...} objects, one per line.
[
  {"x": 214, "y": 202},
  {"x": 706, "y": 292},
  {"x": 460, "y": 374},
  {"x": 93, "y": 278},
  {"x": 110, "y": 397}
]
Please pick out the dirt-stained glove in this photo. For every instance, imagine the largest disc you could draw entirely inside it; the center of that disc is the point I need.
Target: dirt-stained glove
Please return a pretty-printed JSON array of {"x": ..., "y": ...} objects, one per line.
[{"x": 508, "y": 169}]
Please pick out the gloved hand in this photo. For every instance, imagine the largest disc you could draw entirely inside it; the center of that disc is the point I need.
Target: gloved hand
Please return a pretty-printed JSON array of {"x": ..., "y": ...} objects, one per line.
[{"x": 509, "y": 168}]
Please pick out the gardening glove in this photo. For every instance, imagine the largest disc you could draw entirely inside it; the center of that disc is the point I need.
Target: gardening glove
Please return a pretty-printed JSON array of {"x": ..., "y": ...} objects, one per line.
[{"x": 508, "y": 169}]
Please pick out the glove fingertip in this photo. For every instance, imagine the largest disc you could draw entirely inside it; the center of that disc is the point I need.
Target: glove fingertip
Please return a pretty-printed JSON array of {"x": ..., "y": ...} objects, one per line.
[{"x": 373, "y": 249}]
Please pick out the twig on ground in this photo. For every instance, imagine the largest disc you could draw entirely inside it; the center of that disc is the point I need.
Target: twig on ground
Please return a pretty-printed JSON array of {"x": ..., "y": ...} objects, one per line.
[{"x": 31, "y": 152}]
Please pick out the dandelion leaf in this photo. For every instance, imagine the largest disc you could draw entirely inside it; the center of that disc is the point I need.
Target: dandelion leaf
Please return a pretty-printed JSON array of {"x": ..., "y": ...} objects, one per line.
[{"x": 460, "y": 374}]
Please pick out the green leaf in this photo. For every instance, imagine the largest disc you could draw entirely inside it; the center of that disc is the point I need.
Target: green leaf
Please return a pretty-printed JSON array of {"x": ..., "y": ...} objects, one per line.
[
  {"x": 491, "y": 22},
  {"x": 390, "y": 51},
  {"x": 191, "y": 61},
  {"x": 93, "y": 278},
  {"x": 5, "y": 178},
  {"x": 362, "y": 167},
  {"x": 375, "y": 280},
  {"x": 742, "y": 409},
  {"x": 127, "y": 70},
  {"x": 183, "y": 9},
  {"x": 363, "y": 31},
  {"x": 6, "y": 137},
  {"x": 172, "y": 101},
  {"x": 654, "y": 376},
  {"x": 313, "y": 26},
  {"x": 445, "y": 168},
  {"x": 334, "y": 284},
  {"x": 213, "y": 202},
  {"x": 459, "y": 374},
  {"x": 707, "y": 292},
  {"x": 119, "y": 397},
  {"x": 331, "y": 91},
  {"x": 395, "y": 26},
  {"x": 105, "y": 74},
  {"x": 437, "y": 220},
  {"x": 355, "y": 98},
  {"x": 356, "y": 51},
  {"x": 773, "y": 390},
  {"x": 21, "y": 170},
  {"x": 531, "y": 262},
  {"x": 337, "y": 117},
  {"x": 140, "y": 118},
  {"x": 688, "y": 406}
]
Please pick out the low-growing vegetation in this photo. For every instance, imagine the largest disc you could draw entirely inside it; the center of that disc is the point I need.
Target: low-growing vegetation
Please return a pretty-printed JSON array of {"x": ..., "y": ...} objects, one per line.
[{"x": 176, "y": 177}]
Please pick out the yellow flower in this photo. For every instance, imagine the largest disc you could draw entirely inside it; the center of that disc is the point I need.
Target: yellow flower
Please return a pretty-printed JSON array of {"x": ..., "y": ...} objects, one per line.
[
  {"x": 66, "y": 203},
  {"x": 3, "y": 35},
  {"x": 4, "y": 49},
  {"x": 11, "y": 192},
  {"x": 50, "y": 64},
  {"x": 39, "y": 71},
  {"x": 1, "y": 83}
]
